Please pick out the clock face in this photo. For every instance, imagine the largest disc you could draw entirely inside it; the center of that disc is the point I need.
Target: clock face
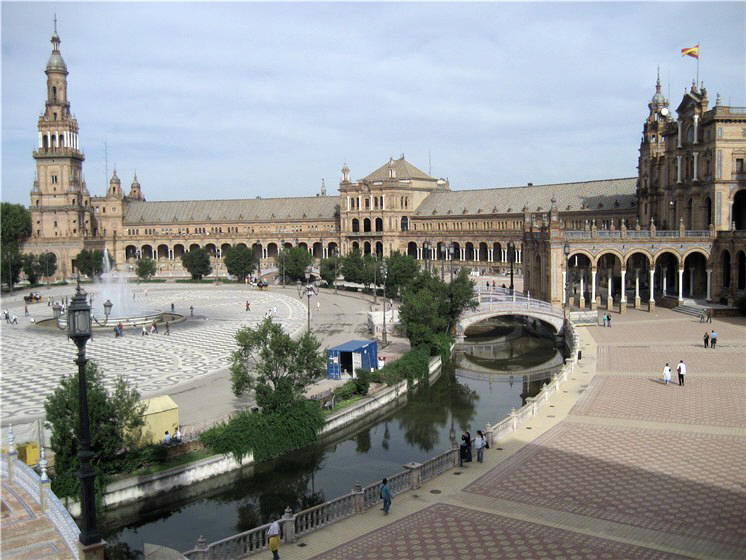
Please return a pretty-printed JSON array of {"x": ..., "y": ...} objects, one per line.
[{"x": 664, "y": 112}]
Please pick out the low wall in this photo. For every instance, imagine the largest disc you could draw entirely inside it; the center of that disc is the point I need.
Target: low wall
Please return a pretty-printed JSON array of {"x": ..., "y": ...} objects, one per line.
[{"x": 131, "y": 489}]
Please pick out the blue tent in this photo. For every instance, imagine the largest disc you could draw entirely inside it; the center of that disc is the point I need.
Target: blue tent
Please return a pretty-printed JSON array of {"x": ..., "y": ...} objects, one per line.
[{"x": 350, "y": 356}]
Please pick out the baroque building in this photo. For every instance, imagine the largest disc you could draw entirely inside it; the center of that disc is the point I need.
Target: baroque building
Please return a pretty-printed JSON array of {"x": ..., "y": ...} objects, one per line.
[{"x": 398, "y": 207}]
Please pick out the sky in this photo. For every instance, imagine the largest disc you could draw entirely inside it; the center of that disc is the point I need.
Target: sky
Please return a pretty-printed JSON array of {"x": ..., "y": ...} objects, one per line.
[{"x": 240, "y": 99}]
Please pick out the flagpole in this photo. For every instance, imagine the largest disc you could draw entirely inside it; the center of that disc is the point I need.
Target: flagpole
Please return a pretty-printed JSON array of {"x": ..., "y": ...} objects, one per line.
[{"x": 699, "y": 53}]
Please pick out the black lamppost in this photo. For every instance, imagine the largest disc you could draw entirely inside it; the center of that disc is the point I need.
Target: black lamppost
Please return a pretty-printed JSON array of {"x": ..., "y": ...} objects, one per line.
[
  {"x": 309, "y": 292},
  {"x": 375, "y": 279},
  {"x": 427, "y": 246},
  {"x": 451, "y": 251},
  {"x": 383, "y": 277},
  {"x": 511, "y": 260},
  {"x": 79, "y": 330},
  {"x": 259, "y": 259},
  {"x": 107, "y": 308},
  {"x": 282, "y": 261},
  {"x": 336, "y": 268},
  {"x": 566, "y": 250},
  {"x": 442, "y": 262}
]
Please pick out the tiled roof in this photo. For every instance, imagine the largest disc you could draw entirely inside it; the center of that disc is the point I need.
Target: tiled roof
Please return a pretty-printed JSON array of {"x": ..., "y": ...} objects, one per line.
[
  {"x": 404, "y": 170},
  {"x": 588, "y": 195},
  {"x": 253, "y": 209}
]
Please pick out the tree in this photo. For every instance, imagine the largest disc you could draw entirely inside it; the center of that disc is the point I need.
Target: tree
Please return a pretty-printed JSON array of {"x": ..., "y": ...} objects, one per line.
[
  {"x": 353, "y": 267},
  {"x": 400, "y": 270},
  {"x": 91, "y": 262},
  {"x": 47, "y": 264},
  {"x": 116, "y": 419},
  {"x": 460, "y": 296},
  {"x": 328, "y": 270},
  {"x": 294, "y": 262},
  {"x": 15, "y": 222},
  {"x": 31, "y": 267},
  {"x": 424, "y": 310},
  {"x": 371, "y": 270},
  {"x": 197, "y": 262},
  {"x": 282, "y": 366},
  {"x": 240, "y": 261},
  {"x": 145, "y": 268}
]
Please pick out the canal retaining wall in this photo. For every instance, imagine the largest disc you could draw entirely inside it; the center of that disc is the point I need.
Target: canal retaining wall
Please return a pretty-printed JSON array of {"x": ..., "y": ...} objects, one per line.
[{"x": 132, "y": 489}]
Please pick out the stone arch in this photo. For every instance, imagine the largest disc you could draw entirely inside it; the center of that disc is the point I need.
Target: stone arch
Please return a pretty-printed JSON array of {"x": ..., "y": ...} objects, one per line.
[
  {"x": 740, "y": 270},
  {"x": 211, "y": 250},
  {"x": 725, "y": 268},
  {"x": 366, "y": 248},
  {"x": 497, "y": 252},
  {"x": 162, "y": 251},
  {"x": 695, "y": 272},
  {"x": 146, "y": 252},
  {"x": 178, "y": 251},
  {"x": 379, "y": 248},
  {"x": 483, "y": 253},
  {"x": 303, "y": 245},
  {"x": 272, "y": 250},
  {"x": 609, "y": 277},
  {"x": 602, "y": 255},
  {"x": 667, "y": 264},
  {"x": 224, "y": 248},
  {"x": 366, "y": 225},
  {"x": 412, "y": 249},
  {"x": 708, "y": 212},
  {"x": 379, "y": 224},
  {"x": 404, "y": 223},
  {"x": 470, "y": 253},
  {"x": 332, "y": 249},
  {"x": 355, "y": 225},
  {"x": 194, "y": 246},
  {"x": 456, "y": 251},
  {"x": 355, "y": 246},
  {"x": 130, "y": 252},
  {"x": 317, "y": 250}
]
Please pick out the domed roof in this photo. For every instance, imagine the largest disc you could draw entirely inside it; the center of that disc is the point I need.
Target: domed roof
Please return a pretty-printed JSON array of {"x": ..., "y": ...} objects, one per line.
[
  {"x": 115, "y": 179},
  {"x": 56, "y": 63}
]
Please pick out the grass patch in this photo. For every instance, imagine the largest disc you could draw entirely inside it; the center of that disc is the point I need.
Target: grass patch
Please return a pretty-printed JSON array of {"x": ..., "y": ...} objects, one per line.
[{"x": 343, "y": 404}]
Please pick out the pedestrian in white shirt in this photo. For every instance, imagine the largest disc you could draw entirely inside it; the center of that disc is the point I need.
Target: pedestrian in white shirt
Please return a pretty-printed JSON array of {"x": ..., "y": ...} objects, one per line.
[
  {"x": 666, "y": 374},
  {"x": 681, "y": 369}
]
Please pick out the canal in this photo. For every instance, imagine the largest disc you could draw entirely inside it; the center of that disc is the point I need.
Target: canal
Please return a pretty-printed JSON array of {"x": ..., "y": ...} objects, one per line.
[{"x": 501, "y": 363}]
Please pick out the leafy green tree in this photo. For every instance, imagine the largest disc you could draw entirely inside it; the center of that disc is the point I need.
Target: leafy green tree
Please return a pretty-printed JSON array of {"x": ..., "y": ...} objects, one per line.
[
  {"x": 240, "y": 261},
  {"x": 400, "y": 270},
  {"x": 31, "y": 267},
  {"x": 371, "y": 270},
  {"x": 353, "y": 267},
  {"x": 460, "y": 296},
  {"x": 47, "y": 264},
  {"x": 145, "y": 268},
  {"x": 11, "y": 264},
  {"x": 91, "y": 262},
  {"x": 197, "y": 262},
  {"x": 115, "y": 419},
  {"x": 328, "y": 270},
  {"x": 293, "y": 263},
  {"x": 424, "y": 310},
  {"x": 281, "y": 367},
  {"x": 15, "y": 222}
]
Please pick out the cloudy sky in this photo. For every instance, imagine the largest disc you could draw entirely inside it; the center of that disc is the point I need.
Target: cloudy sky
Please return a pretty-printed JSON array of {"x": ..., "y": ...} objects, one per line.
[{"x": 235, "y": 100}]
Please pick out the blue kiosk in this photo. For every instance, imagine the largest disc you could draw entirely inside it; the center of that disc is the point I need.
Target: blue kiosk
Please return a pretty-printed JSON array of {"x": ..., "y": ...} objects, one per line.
[{"x": 351, "y": 355}]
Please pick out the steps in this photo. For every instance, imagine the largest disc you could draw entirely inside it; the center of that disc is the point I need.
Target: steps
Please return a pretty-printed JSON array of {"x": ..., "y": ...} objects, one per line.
[{"x": 688, "y": 310}]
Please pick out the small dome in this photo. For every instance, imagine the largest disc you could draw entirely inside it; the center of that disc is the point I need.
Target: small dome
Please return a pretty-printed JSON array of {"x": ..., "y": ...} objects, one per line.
[
  {"x": 135, "y": 184},
  {"x": 115, "y": 179},
  {"x": 56, "y": 63}
]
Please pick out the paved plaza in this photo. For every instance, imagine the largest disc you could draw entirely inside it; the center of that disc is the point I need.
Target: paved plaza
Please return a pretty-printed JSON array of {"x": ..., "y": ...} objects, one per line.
[
  {"x": 618, "y": 465},
  {"x": 190, "y": 364}
]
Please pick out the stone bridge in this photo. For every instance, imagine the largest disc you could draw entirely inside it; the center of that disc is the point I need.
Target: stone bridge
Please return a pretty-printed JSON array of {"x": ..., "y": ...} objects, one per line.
[{"x": 494, "y": 303}]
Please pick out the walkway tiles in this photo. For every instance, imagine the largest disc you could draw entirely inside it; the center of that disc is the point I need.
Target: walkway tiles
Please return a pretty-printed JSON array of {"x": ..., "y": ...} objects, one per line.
[
  {"x": 447, "y": 532},
  {"x": 689, "y": 484}
]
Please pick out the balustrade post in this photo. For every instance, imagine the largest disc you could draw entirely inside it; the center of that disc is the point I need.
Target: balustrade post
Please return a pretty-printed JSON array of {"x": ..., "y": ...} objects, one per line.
[
  {"x": 488, "y": 434},
  {"x": 513, "y": 419},
  {"x": 415, "y": 474},
  {"x": 358, "y": 498},
  {"x": 12, "y": 453},
  {"x": 44, "y": 482},
  {"x": 455, "y": 453},
  {"x": 202, "y": 549},
  {"x": 288, "y": 525}
]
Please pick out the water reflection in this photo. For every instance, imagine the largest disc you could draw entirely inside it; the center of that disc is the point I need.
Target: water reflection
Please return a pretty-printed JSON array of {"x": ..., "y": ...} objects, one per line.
[{"x": 468, "y": 395}]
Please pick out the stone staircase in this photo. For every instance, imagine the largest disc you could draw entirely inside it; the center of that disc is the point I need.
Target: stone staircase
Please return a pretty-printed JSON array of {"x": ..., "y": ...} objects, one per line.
[{"x": 692, "y": 310}]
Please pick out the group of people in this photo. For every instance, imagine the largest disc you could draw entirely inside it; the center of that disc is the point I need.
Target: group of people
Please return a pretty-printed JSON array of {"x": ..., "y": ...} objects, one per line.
[
  {"x": 705, "y": 315},
  {"x": 168, "y": 439},
  {"x": 10, "y": 319},
  {"x": 711, "y": 339},
  {"x": 680, "y": 370},
  {"x": 144, "y": 331},
  {"x": 606, "y": 319},
  {"x": 480, "y": 444}
]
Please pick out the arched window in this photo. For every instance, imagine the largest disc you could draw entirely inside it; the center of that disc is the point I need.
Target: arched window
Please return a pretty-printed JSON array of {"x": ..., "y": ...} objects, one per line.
[
  {"x": 366, "y": 224},
  {"x": 54, "y": 92},
  {"x": 405, "y": 223},
  {"x": 379, "y": 224},
  {"x": 355, "y": 225}
]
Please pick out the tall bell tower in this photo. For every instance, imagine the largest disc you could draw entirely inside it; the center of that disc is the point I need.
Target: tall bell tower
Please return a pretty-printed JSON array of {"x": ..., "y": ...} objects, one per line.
[{"x": 60, "y": 202}]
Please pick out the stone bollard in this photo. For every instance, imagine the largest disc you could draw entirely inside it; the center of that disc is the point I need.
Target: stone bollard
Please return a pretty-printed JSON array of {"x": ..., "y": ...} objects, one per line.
[
  {"x": 513, "y": 419},
  {"x": 288, "y": 525},
  {"x": 455, "y": 453},
  {"x": 415, "y": 474},
  {"x": 359, "y": 499}
]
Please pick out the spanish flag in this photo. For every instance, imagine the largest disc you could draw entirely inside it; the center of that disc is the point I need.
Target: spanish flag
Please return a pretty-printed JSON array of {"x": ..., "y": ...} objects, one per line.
[{"x": 691, "y": 51}]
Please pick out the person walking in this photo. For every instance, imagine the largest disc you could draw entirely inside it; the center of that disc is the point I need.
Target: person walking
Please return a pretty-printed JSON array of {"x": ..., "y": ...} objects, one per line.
[
  {"x": 386, "y": 496},
  {"x": 709, "y": 314},
  {"x": 666, "y": 374},
  {"x": 706, "y": 338},
  {"x": 702, "y": 316},
  {"x": 603, "y": 317},
  {"x": 608, "y": 320},
  {"x": 168, "y": 330},
  {"x": 681, "y": 369},
  {"x": 273, "y": 536},
  {"x": 479, "y": 443},
  {"x": 713, "y": 339},
  {"x": 248, "y": 306}
]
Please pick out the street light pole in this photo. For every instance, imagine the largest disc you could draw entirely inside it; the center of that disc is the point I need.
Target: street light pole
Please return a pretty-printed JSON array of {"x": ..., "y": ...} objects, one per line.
[
  {"x": 511, "y": 259},
  {"x": 442, "y": 262},
  {"x": 375, "y": 279},
  {"x": 259, "y": 259},
  {"x": 383, "y": 273},
  {"x": 336, "y": 268},
  {"x": 566, "y": 250},
  {"x": 282, "y": 261},
  {"x": 79, "y": 330},
  {"x": 451, "y": 251}
]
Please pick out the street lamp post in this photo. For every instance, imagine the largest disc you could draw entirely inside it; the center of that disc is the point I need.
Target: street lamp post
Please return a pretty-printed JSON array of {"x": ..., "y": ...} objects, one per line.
[
  {"x": 511, "y": 260},
  {"x": 442, "y": 262},
  {"x": 383, "y": 274},
  {"x": 427, "y": 255},
  {"x": 566, "y": 250},
  {"x": 282, "y": 261},
  {"x": 336, "y": 268},
  {"x": 451, "y": 251},
  {"x": 375, "y": 279},
  {"x": 259, "y": 259},
  {"x": 79, "y": 330},
  {"x": 309, "y": 292}
]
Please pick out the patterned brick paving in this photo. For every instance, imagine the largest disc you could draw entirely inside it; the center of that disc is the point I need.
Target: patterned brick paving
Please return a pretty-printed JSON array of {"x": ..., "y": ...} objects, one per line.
[
  {"x": 713, "y": 401},
  {"x": 445, "y": 532},
  {"x": 636, "y": 359},
  {"x": 27, "y": 533},
  {"x": 680, "y": 483}
]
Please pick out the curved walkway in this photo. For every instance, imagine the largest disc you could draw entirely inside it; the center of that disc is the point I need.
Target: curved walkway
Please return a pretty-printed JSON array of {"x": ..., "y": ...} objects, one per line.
[{"x": 617, "y": 466}]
